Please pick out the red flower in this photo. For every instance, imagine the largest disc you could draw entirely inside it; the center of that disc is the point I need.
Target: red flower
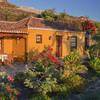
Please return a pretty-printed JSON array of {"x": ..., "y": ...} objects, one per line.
[
  {"x": 49, "y": 48},
  {"x": 58, "y": 63},
  {"x": 50, "y": 57},
  {"x": 12, "y": 90},
  {"x": 11, "y": 78}
]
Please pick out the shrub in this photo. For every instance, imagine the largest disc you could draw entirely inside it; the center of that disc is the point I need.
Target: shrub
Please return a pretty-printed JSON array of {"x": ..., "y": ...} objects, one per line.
[
  {"x": 40, "y": 97},
  {"x": 52, "y": 79},
  {"x": 43, "y": 78},
  {"x": 72, "y": 65},
  {"x": 7, "y": 90},
  {"x": 73, "y": 58},
  {"x": 45, "y": 74},
  {"x": 77, "y": 83},
  {"x": 20, "y": 77},
  {"x": 95, "y": 64}
]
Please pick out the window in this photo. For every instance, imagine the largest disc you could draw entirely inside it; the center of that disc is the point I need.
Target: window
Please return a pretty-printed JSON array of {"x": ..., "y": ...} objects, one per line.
[
  {"x": 38, "y": 38},
  {"x": 0, "y": 44},
  {"x": 73, "y": 43}
]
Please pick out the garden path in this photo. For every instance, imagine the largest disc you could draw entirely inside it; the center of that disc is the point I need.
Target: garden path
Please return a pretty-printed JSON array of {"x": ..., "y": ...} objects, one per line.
[{"x": 14, "y": 68}]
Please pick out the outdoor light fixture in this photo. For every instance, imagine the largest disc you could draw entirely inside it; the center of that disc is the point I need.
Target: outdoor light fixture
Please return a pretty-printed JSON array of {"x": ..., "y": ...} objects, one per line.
[
  {"x": 81, "y": 38},
  {"x": 18, "y": 38}
]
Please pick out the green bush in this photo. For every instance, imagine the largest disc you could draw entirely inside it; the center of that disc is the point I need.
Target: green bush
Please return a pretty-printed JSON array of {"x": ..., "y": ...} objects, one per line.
[
  {"x": 72, "y": 65},
  {"x": 52, "y": 80},
  {"x": 77, "y": 83},
  {"x": 40, "y": 97},
  {"x": 20, "y": 77},
  {"x": 42, "y": 78},
  {"x": 95, "y": 64},
  {"x": 73, "y": 58}
]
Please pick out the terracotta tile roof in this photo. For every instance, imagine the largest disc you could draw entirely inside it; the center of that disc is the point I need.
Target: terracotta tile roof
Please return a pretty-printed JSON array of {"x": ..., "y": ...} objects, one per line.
[
  {"x": 38, "y": 23},
  {"x": 6, "y": 27},
  {"x": 31, "y": 22}
]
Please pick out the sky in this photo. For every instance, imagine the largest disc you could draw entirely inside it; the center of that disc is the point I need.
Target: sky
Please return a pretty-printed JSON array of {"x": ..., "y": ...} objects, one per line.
[{"x": 88, "y": 8}]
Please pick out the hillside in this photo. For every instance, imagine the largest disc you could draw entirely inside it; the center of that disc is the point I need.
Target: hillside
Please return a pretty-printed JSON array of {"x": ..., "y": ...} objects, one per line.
[
  {"x": 28, "y": 9},
  {"x": 10, "y": 12}
]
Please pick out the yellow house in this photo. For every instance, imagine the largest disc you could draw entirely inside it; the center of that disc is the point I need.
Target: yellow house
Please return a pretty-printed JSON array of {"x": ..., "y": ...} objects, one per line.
[{"x": 17, "y": 39}]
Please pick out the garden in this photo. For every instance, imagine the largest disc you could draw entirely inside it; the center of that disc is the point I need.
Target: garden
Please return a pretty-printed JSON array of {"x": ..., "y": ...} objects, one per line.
[{"x": 50, "y": 78}]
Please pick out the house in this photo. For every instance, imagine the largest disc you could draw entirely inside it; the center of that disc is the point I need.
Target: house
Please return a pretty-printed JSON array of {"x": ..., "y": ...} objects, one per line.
[{"x": 19, "y": 38}]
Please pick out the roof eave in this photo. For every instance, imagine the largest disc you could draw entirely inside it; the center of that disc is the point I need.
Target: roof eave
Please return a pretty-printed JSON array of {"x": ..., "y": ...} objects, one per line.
[{"x": 14, "y": 31}]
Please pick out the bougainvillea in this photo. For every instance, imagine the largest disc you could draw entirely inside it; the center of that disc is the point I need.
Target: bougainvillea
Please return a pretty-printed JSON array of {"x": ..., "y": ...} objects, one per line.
[
  {"x": 47, "y": 56},
  {"x": 88, "y": 26}
]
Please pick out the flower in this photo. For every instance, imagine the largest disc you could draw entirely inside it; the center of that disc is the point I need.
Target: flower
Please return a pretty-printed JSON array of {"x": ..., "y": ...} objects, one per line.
[
  {"x": 11, "y": 78},
  {"x": 54, "y": 59},
  {"x": 49, "y": 48},
  {"x": 12, "y": 90},
  {"x": 8, "y": 86}
]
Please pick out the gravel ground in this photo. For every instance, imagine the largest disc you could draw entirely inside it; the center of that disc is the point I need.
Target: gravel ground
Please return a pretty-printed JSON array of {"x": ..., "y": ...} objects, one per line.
[{"x": 14, "y": 68}]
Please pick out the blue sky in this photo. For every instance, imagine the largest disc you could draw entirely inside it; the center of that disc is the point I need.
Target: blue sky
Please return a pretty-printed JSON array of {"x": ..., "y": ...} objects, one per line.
[{"x": 72, "y": 7}]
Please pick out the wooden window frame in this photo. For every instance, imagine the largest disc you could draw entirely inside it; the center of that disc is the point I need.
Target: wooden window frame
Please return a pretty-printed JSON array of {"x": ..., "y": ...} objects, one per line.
[
  {"x": 73, "y": 42},
  {"x": 0, "y": 44},
  {"x": 38, "y": 37}
]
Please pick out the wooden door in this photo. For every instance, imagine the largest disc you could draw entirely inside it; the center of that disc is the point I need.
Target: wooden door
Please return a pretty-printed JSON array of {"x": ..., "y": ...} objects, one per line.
[
  {"x": 1, "y": 46},
  {"x": 59, "y": 46}
]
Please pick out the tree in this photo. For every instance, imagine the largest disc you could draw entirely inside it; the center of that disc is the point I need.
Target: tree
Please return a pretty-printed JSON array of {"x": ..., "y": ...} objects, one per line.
[
  {"x": 48, "y": 14},
  {"x": 90, "y": 28}
]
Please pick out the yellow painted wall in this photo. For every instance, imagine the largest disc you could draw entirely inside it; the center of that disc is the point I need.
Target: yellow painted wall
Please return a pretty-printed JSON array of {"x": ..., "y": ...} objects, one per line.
[
  {"x": 8, "y": 45},
  {"x": 19, "y": 47},
  {"x": 13, "y": 45},
  {"x": 46, "y": 42}
]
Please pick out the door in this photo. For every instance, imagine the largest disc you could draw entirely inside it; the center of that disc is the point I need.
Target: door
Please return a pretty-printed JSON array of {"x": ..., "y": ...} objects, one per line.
[
  {"x": 1, "y": 46},
  {"x": 59, "y": 46}
]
